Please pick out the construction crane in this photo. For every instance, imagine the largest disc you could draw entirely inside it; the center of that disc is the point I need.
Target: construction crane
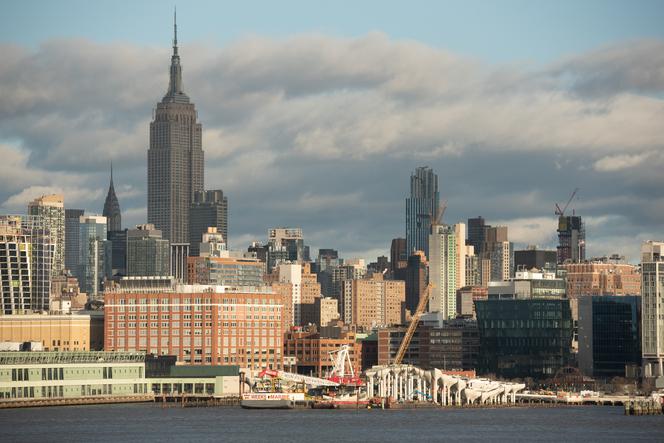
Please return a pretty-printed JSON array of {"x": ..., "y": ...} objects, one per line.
[
  {"x": 424, "y": 299},
  {"x": 343, "y": 372},
  {"x": 296, "y": 378},
  {"x": 561, "y": 212}
]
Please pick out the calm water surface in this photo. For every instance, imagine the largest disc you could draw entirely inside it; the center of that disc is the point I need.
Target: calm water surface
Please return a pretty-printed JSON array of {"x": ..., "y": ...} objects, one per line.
[{"x": 148, "y": 422}]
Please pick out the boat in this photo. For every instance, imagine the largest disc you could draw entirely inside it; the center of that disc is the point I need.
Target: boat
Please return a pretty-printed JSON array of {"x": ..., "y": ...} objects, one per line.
[{"x": 273, "y": 400}]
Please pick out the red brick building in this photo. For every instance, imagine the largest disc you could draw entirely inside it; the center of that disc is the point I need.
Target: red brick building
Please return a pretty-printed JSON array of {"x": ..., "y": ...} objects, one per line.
[
  {"x": 312, "y": 349},
  {"x": 204, "y": 325}
]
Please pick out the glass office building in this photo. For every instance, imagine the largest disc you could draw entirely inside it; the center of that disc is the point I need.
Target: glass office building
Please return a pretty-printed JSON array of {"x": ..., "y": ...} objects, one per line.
[{"x": 524, "y": 338}]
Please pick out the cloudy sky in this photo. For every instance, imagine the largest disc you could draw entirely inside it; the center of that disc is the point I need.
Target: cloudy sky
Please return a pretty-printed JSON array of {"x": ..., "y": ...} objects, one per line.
[{"x": 314, "y": 116}]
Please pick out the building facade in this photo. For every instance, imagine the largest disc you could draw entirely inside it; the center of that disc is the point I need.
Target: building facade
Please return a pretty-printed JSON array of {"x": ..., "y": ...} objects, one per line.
[
  {"x": 571, "y": 239},
  {"x": 51, "y": 210},
  {"x": 454, "y": 345},
  {"x": 601, "y": 278},
  {"x": 200, "y": 324},
  {"x": 147, "y": 253},
  {"x": 208, "y": 209},
  {"x": 175, "y": 158},
  {"x": 527, "y": 259},
  {"x": 373, "y": 301},
  {"x": 94, "y": 259},
  {"x": 524, "y": 338},
  {"x": 417, "y": 277},
  {"x": 652, "y": 312},
  {"x": 421, "y": 209},
  {"x": 74, "y": 332},
  {"x": 72, "y": 227},
  {"x": 443, "y": 270},
  {"x": 26, "y": 256},
  {"x": 71, "y": 375},
  {"x": 225, "y": 271},
  {"x": 609, "y": 334},
  {"x": 314, "y": 351}
]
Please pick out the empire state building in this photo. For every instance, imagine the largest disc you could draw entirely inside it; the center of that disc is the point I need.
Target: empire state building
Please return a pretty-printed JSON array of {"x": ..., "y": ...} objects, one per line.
[{"x": 175, "y": 157}]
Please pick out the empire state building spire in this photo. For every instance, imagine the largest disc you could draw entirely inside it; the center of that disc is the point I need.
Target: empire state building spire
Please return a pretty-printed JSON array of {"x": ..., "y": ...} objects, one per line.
[
  {"x": 175, "y": 92},
  {"x": 175, "y": 157}
]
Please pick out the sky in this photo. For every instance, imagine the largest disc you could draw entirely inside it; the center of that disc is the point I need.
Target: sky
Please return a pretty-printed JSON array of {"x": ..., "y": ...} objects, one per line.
[{"x": 314, "y": 114}]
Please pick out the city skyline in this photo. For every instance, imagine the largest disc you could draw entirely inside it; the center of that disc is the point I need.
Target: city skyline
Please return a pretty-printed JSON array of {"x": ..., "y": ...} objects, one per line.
[{"x": 339, "y": 123}]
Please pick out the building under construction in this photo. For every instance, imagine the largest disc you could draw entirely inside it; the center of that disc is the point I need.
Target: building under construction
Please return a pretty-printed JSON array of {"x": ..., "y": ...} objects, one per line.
[{"x": 571, "y": 239}]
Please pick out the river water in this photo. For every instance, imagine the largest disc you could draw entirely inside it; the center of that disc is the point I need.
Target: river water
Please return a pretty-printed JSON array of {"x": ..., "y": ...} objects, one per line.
[{"x": 149, "y": 422}]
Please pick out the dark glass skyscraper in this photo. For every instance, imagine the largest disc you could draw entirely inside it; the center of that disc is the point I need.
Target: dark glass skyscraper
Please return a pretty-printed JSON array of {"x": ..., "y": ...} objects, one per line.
[
  {"x": 421, "y": 207},
  {"x": 175, "y": 158}
]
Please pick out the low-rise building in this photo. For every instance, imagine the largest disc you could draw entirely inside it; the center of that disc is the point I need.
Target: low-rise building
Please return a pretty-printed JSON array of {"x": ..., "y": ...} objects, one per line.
[
  {"x": 451, "y": 345},
  {"x": 528, "y": 285},
  {"x": 524, "y": 337},
  {"x": 200, "y": 324},
  {"x": 314, "y": 350},
  {"x": 466, "y": 298},
  {"x": 225, "y": 271},
  {"x": 609, "y": 334},
  {"x": 602, "y": 277},
  {"x": 81, "y": 331},
  {"x": 321, "y": 312},
  {"x": 71, "y": 375}
]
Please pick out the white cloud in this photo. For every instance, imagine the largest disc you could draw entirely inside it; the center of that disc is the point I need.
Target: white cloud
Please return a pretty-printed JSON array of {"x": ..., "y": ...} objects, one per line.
[
  {"x": 618, "y": 162},
  {"x": 293, "y": 126}
]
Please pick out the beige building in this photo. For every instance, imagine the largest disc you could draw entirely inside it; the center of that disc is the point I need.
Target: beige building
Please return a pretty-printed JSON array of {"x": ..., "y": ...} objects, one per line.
[
  {"x": 51, "y": 209},
  {"x": 76, "y": 332},
  {"x": 373, "y": 301},
  {"x": 321, "y": 312},
  {"x": 600, "y": 278},
  {"x": 285, "y": 290}
]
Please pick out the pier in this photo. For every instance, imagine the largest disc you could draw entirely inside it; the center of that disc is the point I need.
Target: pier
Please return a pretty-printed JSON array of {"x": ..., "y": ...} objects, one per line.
[{"x": 408, "y": 383}]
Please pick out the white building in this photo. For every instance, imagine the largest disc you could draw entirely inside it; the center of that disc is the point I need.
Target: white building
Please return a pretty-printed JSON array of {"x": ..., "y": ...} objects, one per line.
[
  {"x": 652, "y": 313},
  {"x": 292, "y": 273},
  {"x": 443, "y": 270}
]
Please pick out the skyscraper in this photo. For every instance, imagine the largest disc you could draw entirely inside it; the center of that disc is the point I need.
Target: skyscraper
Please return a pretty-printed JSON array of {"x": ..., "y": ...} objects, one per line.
[
  {"x": 175, "y": 158},
  {"x": 94, "y": 263},
  {"x": 208, "y": 210},
  {"x": 421, "y": 208},
  {"x": 112, "y": 208},
  {"x": 477, "y": 234},
  {"x": 51, "y": 209},
  {"x": 72, "y": 226},
  {"x": 443, "y": 270},
  {"x": 571, "y": 239},
  {"x": 652, "y": 321},
  {"x": 27, "y": 248}
]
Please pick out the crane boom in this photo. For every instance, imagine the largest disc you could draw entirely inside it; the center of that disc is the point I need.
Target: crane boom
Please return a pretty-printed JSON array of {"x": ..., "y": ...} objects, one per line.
[
  {"x": 424, "y": 299},
  {"x": 561, "y": 212}
]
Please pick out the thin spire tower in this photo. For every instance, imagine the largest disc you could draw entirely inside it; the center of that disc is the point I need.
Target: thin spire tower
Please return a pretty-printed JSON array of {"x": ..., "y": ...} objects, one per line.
[{"x": 175, "y": 156}]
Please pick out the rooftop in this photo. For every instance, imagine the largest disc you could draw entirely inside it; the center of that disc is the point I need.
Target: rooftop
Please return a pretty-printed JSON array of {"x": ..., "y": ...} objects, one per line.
[{"x": 69, "y": 357}]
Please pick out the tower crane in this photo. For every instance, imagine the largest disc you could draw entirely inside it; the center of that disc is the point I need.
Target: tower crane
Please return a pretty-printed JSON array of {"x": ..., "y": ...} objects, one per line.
[
  {"x": 424, "y": 299},
  {"x": 561, "y": 212}
]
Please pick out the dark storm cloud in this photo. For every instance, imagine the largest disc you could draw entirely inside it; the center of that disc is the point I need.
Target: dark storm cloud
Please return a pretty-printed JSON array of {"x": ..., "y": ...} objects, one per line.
[{"x": 322, "y": 132}]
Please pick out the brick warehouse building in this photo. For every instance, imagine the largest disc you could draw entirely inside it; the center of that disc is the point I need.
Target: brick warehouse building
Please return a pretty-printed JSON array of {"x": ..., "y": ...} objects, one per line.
[{"x": 199, "y": 324}]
